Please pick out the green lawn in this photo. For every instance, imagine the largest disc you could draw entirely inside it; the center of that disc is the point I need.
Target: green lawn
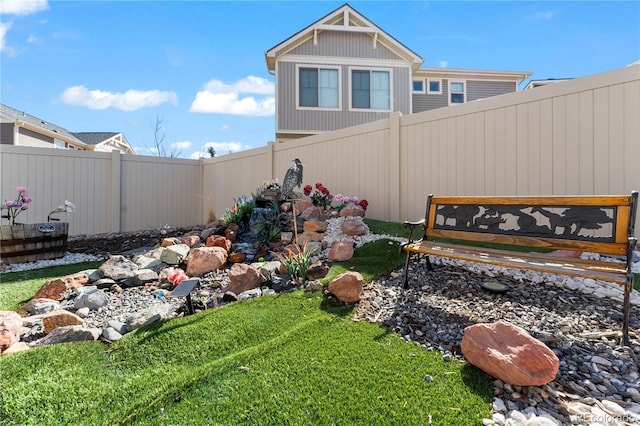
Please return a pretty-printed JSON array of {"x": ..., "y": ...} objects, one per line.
[{"x": 294, "y": 358}]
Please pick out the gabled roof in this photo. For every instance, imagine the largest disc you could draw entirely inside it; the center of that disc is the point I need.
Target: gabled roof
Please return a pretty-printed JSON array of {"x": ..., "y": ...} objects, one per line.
[
  {"x": 94, "y": 138},
  {"x": 39, "y": 124},
  {"x": 344, "y": 18}
]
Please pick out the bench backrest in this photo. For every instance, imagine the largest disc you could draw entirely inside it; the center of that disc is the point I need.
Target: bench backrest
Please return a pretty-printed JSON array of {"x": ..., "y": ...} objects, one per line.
[{"x": 600, "y": 224}]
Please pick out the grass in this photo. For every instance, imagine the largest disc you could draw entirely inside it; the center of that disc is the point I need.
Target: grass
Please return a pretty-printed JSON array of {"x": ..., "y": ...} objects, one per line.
[
  {"x": 295, "y": 359},
  {"x": 17, "y": 288}
]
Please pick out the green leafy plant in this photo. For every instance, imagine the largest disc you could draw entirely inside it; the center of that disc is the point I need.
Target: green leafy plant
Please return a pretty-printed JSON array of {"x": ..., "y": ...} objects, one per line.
[
  {"x": 240, "y": 211},
  {"x": 297, "y": 261}
]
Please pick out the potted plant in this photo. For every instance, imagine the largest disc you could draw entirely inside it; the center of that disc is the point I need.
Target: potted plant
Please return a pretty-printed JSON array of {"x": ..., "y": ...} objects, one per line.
[{"x": 21, "y": 242}]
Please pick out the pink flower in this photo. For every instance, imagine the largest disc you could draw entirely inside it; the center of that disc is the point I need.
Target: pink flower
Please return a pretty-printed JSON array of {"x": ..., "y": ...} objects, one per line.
[
  {"x": 21, "y": 189},
  {"x": 177, "y": 276}
]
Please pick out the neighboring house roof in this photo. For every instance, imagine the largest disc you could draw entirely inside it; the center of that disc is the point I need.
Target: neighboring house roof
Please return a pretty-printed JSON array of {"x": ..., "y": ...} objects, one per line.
[
  {"x": 39, "y": 125},
  {"x": 539, "y": 83},
  {"x": 472, "y": 74},
  {"x": 105, "y": 141},
  {"x": 344, "y": 18}
]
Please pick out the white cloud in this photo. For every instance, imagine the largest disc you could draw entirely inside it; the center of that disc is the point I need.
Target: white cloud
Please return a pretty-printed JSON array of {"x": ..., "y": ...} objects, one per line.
[
  {"x": 221, "y": 98},
  {"x": 225, "y": 128},
  {"x": 23, "y": 7},
  {"x": 130, "y": 100},
  {"x": 220, "y": 148},
  {"x": 181, "y": 145},
  {"x": 32, "y": 39},
  {"x": 443, "y": 64},
  {"x": 4, "y": 27},
  {"x": 540, "y": 16}
]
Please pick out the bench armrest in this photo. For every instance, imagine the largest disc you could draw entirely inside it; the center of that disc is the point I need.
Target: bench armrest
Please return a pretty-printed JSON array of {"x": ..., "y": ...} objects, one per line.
[{"x": 413, "y": 225}]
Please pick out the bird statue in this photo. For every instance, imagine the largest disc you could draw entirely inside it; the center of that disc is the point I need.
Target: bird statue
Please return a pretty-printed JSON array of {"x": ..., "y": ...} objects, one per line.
[{"x": 292, "y": 178}]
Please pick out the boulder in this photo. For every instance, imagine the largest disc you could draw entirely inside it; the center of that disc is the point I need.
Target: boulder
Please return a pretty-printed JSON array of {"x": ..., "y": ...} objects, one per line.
[
  {"x": 40, "y": 306},
  {"x": 145, "y": 262},
  {"x": 59, "y": 318},
  {"x": 352, "y": 209},
  {"x": 509, "y": 353},
  {"x": 243, "y": 277},
  {"x": 317, "y": 270},
  {"x": 219, "y": 241},
  {"x": 70, "y": 333},
  {"x": 118, "y": 267},
  {"x": 341, "y": 251},
  {"x": 347, "y": 287},
  {"x": 10, "y": 328},
  {"x": 166, "y": 242},
  {"x": 191, "y": 240},
  {"x": 237, "y": 257},
  {"x": 312, "y": 212},
  {"x": 302, "y": 204},
  {"x": 231, "y": 233},
  {"x": 144, "y": 276},
  {"x": 205, "y": 259},
  {"x": 92, "y": 299},
  {"x": 308, "y": 236},
  {"x": 15, "y": 348},
  {"x": 55, "y": 289},
  {"x": 76, "y": 280},
  {"x": 175, "y": 255},
  {"x": 315, "y": 225},
  {"x": 314, "y": 247},
  {"x": 353, "y": 227}
]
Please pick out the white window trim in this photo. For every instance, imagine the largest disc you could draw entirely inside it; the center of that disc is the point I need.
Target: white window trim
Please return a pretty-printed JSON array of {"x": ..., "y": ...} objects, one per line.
[
  {"x": 319, "y": 67},
  {"x": 464, "y": 82},
  {"x": 389, "y": 70},
  {"x": 424, "y": 87},
  {"x": 434, "y": 92}
]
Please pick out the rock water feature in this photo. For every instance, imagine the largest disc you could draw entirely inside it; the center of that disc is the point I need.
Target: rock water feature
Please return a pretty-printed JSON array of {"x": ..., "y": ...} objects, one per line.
[{"x": 132, "y": 290}]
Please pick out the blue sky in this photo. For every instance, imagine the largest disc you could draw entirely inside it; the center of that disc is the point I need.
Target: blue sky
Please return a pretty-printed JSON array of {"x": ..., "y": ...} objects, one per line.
[{"x": 199, "y": 67}]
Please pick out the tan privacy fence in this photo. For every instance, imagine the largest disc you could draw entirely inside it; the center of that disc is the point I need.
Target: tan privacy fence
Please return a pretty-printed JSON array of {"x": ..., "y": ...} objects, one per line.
[{"x": 578, "y": 137}]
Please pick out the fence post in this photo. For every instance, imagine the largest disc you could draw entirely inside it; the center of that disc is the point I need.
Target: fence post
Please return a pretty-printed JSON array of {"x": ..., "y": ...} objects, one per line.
[
  {"x": 394, "y": 167},
  {"x": 270, "y": 149},
  {"x": 115, "y": 201}
]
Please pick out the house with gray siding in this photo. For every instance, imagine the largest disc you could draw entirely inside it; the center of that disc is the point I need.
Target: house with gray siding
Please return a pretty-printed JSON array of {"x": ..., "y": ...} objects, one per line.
[
  {"x": 19, "y": 128},
  {"x": 343, "y": 70}
]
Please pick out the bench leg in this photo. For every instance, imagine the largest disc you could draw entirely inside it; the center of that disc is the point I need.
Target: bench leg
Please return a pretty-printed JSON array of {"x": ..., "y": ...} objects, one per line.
[
  {"x": 406, "y": 270},
  {"x": 429, "y": 265},
  {"x": 627, "y": 311}
]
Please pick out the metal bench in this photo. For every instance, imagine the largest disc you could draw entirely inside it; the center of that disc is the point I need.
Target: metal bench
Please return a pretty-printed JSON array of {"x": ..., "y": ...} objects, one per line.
[{"x": 453, "y": 227}]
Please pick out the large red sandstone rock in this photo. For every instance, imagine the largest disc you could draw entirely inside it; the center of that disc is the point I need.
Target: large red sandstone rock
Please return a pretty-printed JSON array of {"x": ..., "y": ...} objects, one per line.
[
  {"x": 308, "y": 236},
  {"x": 312, "y": 212},
  {"x": 219, "y": 241},
  {"x": 60, "y": 318},
  {"x": 347, "y": 287},
  {"x": 341, "y": 251},
  {"x": 302, "y": 204},
  {"x": 243, "y": 277},
  {"x": 55, "y": 289},
  {"x": 315, "y": 225},
  {"x": 10, "y": 327},
  {"x": 353, "y": 227},
  {"x": 205, "y": 259},
  {"x": 509, "y": 353},
  {"x": 191, "y": 240}
]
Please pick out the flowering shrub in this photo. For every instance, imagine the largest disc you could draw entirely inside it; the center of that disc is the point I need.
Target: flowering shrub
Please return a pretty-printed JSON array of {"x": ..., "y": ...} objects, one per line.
[
  {"x": 177, "y": 276},
  {"x": 270, "y": 184},
  {"x": 320, "y": 196},
  {"x": 14, "y": 208}
]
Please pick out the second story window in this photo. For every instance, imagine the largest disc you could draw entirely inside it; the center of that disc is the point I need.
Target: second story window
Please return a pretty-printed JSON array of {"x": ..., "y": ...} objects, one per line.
[
  {"x": 456, "y": 92},
  {"x": 318, "y": 88},
  {"x": 434, "y": 87},
  {"x": 371, "y": 89},
  {"x": 418, "y": 86}
]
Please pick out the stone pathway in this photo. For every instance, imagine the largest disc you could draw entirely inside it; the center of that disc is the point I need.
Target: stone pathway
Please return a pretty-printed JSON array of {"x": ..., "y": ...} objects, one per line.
[{"x": 598, "y": 382}]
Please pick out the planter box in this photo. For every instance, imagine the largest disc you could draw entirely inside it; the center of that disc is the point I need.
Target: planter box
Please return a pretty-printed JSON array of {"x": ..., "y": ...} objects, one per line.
[{"x": 30, "y": 242}]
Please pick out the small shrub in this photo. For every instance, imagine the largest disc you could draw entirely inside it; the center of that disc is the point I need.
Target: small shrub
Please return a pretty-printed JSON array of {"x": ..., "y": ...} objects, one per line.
[{"x": 297, "y": 261}]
